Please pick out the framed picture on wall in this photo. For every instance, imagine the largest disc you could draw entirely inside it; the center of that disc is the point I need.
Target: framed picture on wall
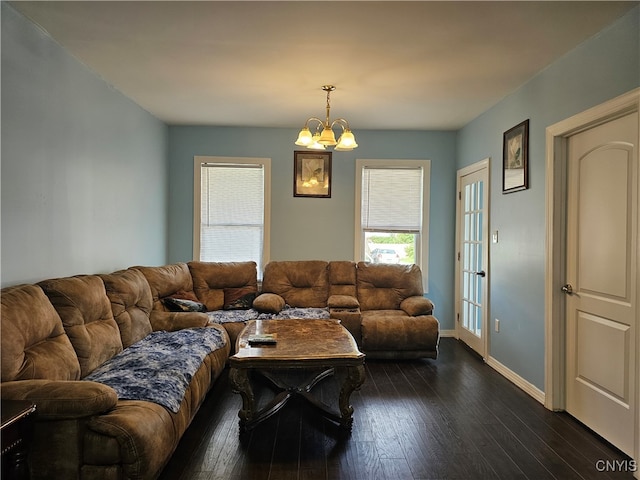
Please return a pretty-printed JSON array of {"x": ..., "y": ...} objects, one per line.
[
  {"x": 311, "y": 174},
  {"x": 515, "y": 158}
]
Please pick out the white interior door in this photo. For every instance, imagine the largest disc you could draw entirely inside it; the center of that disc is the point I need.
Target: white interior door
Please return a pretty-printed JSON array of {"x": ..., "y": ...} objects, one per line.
[
  {"x": 601, "y": 302},
  {"x": 472, "y": 256}
]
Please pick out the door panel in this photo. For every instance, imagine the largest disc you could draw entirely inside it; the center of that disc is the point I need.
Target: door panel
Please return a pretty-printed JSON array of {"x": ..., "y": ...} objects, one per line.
[
  {"x": 604, "y": 222},
  {"x": 472, "y": 256},
  {"x": 595, "y": 334},
  {"x": 602, "y": 236}
]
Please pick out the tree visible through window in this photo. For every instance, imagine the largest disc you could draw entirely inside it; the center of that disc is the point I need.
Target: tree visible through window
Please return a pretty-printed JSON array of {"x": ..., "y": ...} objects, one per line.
[{"x": 392, "y": 223}]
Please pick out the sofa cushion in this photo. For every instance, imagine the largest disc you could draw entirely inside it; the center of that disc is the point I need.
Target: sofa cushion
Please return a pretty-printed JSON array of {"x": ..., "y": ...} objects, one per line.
[
  {"x": 390, "y": 331},
  {"x": 269, "y": 303},
  {"x": 417, "y": 305},
  {"x": 34, "y": 343},
  {"x": 342, "y": 278},
  {"x": 66, "y": 399},
  {"x": 301, "y": 283},
  {"x": 343, "y": 301},
  {"x": 85, "y": 310},
  {"x": 219, "y": 284},
  {"x": 167, "y": 281},
  {"x": 131, "y": 304},
  {"x": 172, "y": 321},
  {"x": 182, "y": 295},
  {"x": 383, "y": 286},
  {"x": 145, "y": 434},
  {"x": 159, "y": 367}
]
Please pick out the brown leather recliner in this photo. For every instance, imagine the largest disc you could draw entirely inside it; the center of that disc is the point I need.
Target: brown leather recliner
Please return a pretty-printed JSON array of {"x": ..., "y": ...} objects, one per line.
[{"x": 397, "y": 320}]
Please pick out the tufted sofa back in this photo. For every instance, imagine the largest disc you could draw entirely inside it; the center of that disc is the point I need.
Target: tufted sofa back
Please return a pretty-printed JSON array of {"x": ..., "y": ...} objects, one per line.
[
  {"x": 302, "y": 283},
  {"x": 219, "y": 284},
  {"x": 85, "y": 311},
  {"x": 34, "y": 343},
  {"x": 384, "y": 286},
  {"x": 131, "y": 304},
  {"x": 166, "y": 281}
]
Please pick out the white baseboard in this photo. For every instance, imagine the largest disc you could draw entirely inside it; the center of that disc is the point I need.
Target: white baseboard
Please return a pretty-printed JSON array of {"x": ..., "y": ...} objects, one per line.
[
  {"x": 448, "y": 333},
  {"x": 516, "y": 379},
  {"x": 509, "y": 374}
]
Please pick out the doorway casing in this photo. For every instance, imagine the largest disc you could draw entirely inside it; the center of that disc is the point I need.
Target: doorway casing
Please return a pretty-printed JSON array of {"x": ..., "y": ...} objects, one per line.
[{"x": 556, "y": 205}]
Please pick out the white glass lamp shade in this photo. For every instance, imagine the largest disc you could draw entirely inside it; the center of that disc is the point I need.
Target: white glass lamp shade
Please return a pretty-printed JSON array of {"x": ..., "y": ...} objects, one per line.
[
  {"x": 304, "y": 137},
  {"x": 315, "y": 145},
  {"x": 327, "y": 137},
  {"x": 347, "y": 141},
  {"x": 338, "y": 148}
]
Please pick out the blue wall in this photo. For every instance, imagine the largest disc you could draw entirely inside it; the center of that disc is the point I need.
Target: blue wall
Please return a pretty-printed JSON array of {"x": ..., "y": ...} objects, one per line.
[
  {"x": 313, "y": 228},
  {"x": 604, "y": 67},
  {"x": 84, "y": 175},
  {"x": 92, "y": 183}
]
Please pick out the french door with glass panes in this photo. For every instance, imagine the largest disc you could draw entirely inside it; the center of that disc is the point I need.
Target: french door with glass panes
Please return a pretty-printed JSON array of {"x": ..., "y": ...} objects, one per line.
[{"x": 472, "y": 255}]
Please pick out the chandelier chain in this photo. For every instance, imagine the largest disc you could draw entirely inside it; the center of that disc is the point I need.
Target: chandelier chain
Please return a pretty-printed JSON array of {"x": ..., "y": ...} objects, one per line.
[{"x": 329, "y": 89}]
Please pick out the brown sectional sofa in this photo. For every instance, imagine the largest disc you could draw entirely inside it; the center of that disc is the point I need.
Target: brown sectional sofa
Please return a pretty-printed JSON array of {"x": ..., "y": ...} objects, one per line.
[
  {"x": 58, "y": 331},
  {"x": 383, "y": 306}
]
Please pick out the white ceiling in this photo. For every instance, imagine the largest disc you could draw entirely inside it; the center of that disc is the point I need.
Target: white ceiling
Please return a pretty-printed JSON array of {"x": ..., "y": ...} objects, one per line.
[{"x": 396, "y": 65}]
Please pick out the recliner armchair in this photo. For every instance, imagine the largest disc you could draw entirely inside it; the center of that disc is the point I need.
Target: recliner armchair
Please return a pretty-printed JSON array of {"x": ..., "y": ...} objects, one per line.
[{"x": 397, "y": 320}]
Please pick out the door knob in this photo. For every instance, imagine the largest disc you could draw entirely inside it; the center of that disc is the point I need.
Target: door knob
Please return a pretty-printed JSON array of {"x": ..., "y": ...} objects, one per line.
[
  {"x": 568, "y": 289},
  {"x": 481, "y": 273}
]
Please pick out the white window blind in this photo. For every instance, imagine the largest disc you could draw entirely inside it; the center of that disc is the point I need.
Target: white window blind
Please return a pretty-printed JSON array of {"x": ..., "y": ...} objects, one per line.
[
  {"x": 232, "y": 212},
  {"x": 392, "y": 212},
  {"x": 392, "y": 199}
]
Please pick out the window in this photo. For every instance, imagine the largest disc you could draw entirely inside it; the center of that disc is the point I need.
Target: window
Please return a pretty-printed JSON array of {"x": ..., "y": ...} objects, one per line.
[
  {"x": 392, "y": 212},
  {"x": 231, "y": 209}
]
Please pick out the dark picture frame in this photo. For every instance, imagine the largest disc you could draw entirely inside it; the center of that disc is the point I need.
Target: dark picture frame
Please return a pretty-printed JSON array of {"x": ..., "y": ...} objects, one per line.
[
  {"x": 515, "y": 158},
  {"x": 311, "y": 174}
]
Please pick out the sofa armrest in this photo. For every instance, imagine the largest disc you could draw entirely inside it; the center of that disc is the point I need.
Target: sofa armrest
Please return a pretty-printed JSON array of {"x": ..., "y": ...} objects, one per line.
[
  {"x": 417, "y": 305},
  {"x": 269, "y": 303},
  {"x": 343, "y": 301},
  {"x": 172, "y": 321},
  {"x": 62, "y": 399}
]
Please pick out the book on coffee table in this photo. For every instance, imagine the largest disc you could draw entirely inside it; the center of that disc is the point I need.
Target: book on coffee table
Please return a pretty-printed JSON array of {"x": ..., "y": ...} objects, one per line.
[{"x": 263, "y": 339}]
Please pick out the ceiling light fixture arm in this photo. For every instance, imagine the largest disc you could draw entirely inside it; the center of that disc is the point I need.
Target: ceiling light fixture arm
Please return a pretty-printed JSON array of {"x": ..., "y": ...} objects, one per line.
[
  {"x": 342, "y": 122},
  {"x": 338, "y": 121},
  {"x": 314, "y": 119}
]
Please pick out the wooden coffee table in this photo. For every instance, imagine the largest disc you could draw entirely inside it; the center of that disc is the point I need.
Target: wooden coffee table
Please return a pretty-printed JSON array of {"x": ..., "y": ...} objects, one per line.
[{"x": 301, "y": 344}]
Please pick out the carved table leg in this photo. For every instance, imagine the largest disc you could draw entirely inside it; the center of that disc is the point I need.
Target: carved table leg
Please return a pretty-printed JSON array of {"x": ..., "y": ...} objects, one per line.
[
  {"x": 353, "y": 381},
  {"x": 240, "y": 383}
]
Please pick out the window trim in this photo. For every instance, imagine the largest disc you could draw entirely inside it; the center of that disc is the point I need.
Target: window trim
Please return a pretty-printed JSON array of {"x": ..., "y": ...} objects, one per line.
[
  {"x": 198, "y": 161},
  {"x": 426, "y": 189}
]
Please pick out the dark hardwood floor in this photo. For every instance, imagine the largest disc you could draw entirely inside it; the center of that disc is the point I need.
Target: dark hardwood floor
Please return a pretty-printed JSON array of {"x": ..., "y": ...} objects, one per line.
[{"x": 450, "y": 418}]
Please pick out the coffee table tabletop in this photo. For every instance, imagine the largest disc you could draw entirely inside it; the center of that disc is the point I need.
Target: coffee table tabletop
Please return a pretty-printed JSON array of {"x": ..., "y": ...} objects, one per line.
[
  {"x": 298, "y": 341},
  {"x": 314, "y": 344}
]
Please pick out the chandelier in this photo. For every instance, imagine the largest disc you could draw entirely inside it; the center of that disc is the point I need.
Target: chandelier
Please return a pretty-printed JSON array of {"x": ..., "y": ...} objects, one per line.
[{"x": 323, "y": 135}]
